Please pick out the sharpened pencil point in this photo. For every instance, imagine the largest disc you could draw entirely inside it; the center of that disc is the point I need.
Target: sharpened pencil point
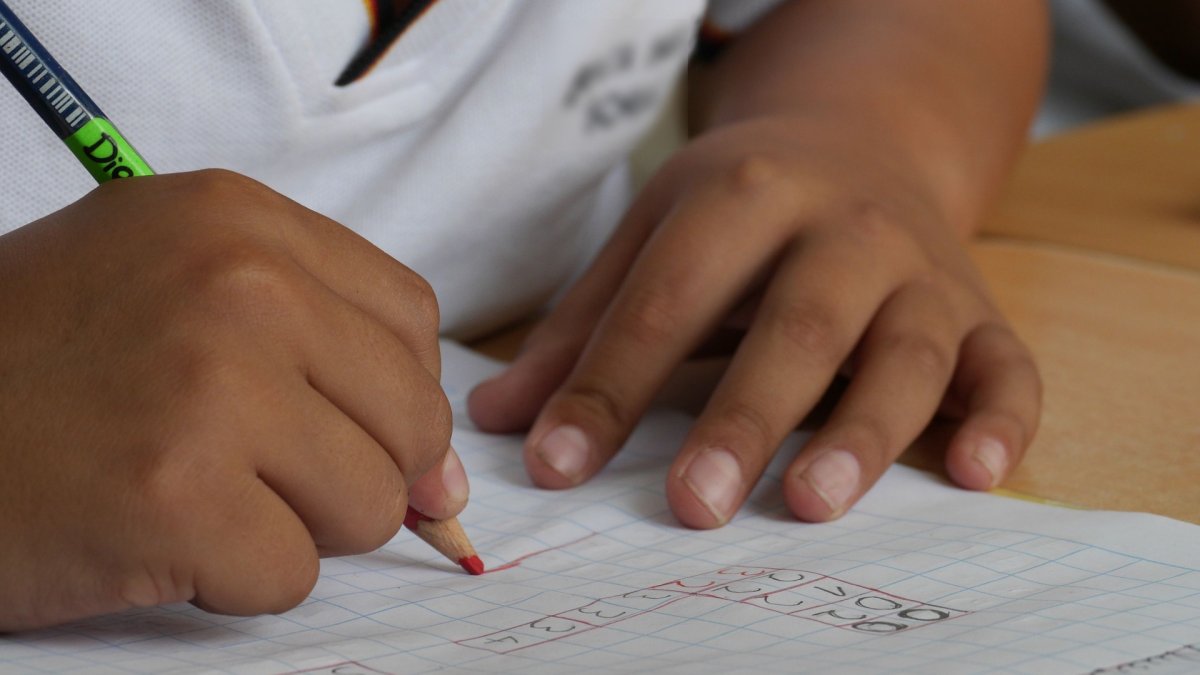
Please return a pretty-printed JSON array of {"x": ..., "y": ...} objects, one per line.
[
  {"x": 447, "y": 537},
  {"x": 472, "y": 564}
]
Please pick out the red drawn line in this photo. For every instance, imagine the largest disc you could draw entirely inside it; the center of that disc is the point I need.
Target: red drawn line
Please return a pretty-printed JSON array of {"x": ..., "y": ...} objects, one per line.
[
  {"x": 518, "y": 561},
  {"x": 805, "y": 613}
]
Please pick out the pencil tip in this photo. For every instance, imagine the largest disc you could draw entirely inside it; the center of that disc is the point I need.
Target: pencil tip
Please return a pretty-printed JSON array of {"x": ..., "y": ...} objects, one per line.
[{"x": 472, "y": 564}]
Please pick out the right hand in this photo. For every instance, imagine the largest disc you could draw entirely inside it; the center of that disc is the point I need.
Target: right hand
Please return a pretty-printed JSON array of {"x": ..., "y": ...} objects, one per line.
[{"x": 203, "y": 387}]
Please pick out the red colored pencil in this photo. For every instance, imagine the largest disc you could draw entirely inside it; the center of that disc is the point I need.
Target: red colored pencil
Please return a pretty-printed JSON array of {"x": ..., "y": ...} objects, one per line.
[{"x": 446, "y": 537}]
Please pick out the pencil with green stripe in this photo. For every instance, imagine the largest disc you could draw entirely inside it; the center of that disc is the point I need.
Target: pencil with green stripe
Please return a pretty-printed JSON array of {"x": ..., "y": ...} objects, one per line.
[
  {"x": 63, "y": 105},
  {"x": 105, "y": 153}
]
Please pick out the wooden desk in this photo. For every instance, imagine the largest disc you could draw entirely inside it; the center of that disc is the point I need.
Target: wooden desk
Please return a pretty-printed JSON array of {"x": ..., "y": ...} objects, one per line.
[
  {"x": 1129, "y": 186},
  {"x": 1118, "y": 345},
  {"x": 1094, "y": 254}
]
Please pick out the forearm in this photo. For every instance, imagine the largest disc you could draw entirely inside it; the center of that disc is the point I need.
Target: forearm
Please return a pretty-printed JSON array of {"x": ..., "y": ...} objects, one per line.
[{"x": 943, "y": 87}]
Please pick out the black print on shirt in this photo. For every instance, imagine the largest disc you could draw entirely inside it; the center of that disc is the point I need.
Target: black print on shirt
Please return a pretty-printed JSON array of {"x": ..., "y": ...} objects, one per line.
[{"x": 607, "y": 90}]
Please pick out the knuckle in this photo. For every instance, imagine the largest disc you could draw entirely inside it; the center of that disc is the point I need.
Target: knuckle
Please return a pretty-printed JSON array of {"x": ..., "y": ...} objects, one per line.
[
  {"x": 219, "y": 196},
  {"x": 423, "y": 304},
  {"x": 1021, "y": 367},
  {"x": 159, "y": 483},
  {"x": 811, "y": 328},
  {"x": 756, "y": 175},
  {"x": 923, "y": 353},
  {"x": 651, "y": 315},
  {"x": 279, "y": 570},
  {"x": 597, "y": 402},
  {"x": 166, "y": 479},
  {"x": 196, "y": 367},
  {"x": 374, "y": 526},
  {"x": 222, "y": 184},
  {"x": 441, "y": 420},
  {"x": 872, "y": 225},
  {"x": 430, "y": 435},
  {"x": 246, "y": 280},
  {"x": 1022, "y": 363},
  {"x": 233, "y": 201},
  {"x": 151, "y": 586},
  {"x": 558, "y": 337},
  {"x": 438, "y": 426},
  {"x": 750, "y": 425},
  {"x": 1004, "y": 352},
  {"x": 872, "y": 441},
  {"x": 297, "y": 576}
]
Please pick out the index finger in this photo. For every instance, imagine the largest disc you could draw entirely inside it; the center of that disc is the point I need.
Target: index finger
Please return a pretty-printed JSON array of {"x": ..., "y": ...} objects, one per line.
[{"x": 689, "y": 273}]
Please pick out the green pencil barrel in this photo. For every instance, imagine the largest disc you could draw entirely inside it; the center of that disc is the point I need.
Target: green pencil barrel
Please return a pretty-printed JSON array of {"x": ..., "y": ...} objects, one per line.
[{"x": 105, "y": 153}]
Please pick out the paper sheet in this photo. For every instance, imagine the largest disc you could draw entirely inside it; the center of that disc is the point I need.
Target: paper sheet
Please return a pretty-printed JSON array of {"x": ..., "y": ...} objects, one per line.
[{"x": 920, "y": 577}]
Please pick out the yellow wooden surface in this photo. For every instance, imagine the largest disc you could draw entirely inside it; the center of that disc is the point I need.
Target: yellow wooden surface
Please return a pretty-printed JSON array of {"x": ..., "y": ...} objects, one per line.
[
  {"x": 1118, "y": 345},
  {"x": 1129, "y": 186},
  {"x": 1100, "y": 272},
  {"x": 1094, "y": 254}
]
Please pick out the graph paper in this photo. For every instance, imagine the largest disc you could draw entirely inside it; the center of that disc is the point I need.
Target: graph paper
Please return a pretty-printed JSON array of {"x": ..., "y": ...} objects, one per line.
[{"x": 921, "y": 577}]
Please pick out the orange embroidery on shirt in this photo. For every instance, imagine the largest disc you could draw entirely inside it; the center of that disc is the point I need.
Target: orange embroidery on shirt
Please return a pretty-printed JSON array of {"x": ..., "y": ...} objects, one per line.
[
  {"x": 390, "y": 19},
  {"x": 712, "y": 40}
]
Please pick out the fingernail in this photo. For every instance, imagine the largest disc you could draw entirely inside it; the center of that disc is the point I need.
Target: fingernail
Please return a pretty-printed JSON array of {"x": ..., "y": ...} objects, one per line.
[
  {"x": 834, "y": 477},
  {"x": 454, "y": 478},
  {"x": 993, "y": 457},
  {"x": 715, "y": 477},
  {"x": 565, "y": 450}
]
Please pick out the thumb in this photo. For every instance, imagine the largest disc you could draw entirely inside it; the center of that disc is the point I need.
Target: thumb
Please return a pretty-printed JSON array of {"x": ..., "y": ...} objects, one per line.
[{"x": 443, "y": 490}]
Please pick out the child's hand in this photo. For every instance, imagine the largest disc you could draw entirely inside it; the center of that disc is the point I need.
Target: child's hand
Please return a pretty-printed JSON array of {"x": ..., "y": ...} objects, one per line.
[
  {"x": 835, "y": 256},
  {"x": 203, "y": 387}
]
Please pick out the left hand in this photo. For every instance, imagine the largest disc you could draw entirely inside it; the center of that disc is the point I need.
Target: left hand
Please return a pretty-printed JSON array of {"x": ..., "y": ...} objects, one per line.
[{"x": 842, "y": 258}]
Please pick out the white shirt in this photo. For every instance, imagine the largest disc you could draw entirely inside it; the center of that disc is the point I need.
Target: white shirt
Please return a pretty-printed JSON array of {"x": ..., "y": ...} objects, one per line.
[{"x": 480, "y": 151}]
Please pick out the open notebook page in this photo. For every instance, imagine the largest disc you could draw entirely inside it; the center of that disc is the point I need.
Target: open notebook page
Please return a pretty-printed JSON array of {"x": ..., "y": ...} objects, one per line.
[{"x": 921, "y": 577}]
